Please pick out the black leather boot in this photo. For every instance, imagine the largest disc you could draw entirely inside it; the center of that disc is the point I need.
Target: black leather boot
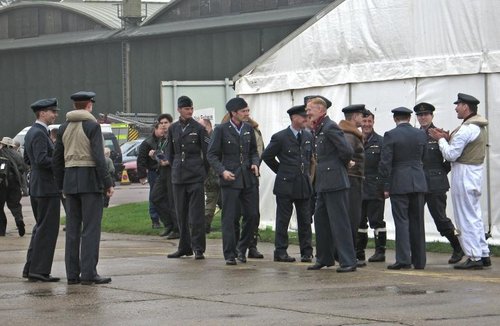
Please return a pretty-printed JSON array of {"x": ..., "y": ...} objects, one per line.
[
  {"x": 361, "y": 242},
  {"x": 380, "y": 242},
  {"x": 458, "y": 253}
]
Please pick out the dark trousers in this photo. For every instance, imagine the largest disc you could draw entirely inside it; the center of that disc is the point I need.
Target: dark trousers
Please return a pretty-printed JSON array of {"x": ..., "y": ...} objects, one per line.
[
  {"x": 333, "y": 229},
  {"x": 234, "y": 203},
  {"x": 372, "y": 211},
  {"x": 408, "y": 214},
  {"x": 436, "y": 203},
  {"x": 284, "y": 207},
  {"x": 355, "y": 199},
  {"x": 11, "y": 195},
  {"x": 83, "y": 235},
  {"x": 189, "y": 202},
  {"x": 162, "y": 197},
  {"x": 153, "y": 213},
  {"x": 40, "y": 256}
]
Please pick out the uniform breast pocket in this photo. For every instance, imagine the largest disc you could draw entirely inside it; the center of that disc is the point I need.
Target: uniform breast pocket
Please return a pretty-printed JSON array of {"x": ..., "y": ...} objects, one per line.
[
  {"x": 246, "y": 138},
  {"x": 193, "y": 139},
  {"x": 433, "y": 146},
  {"x": 374, "y": 150},
  {"x": 231, "y": 147},
  {"x": 293, "y": 150},
  {"x": 320, "y": 144}
]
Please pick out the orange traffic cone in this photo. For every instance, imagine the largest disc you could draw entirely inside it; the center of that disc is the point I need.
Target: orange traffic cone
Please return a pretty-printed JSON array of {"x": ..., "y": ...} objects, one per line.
[{"x": 125, "y": 180}]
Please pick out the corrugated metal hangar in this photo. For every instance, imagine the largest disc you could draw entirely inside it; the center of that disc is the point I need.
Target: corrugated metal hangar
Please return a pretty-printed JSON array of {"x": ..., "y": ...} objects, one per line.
[{"x": 123, "y": 51}]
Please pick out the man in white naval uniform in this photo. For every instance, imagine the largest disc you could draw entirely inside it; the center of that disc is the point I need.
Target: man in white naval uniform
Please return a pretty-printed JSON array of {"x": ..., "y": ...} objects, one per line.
[{"x": 465, "y": 148}]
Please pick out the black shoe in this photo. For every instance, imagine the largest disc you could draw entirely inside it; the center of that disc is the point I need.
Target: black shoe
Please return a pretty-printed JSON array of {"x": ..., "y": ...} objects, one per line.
[
  {"x": 231, "y": 261},
  {"x": 241, "y": 258},
  {"x": 179, "y": 254},
  {"x": 97, "y": 280},
  {"x": 486, "y": 261},
  {"x": 317, "y": 266},
  {"x": 254, "y": 253},
  {"x": 306, "y": 259},
  {"x": 399, "y": 266},
  {"x": 198, "y": 254},
  {"x": 173, "y": 235},
  {"x": 470, "y": 264},
  {"x": 25, "y": 275},
  {"x": 284, "y": 258},
  {"x": 377, "y": 257},
  {"x": 346, "y": 269},
  {"x": 361, "y": 263},
  {"x": 456, "y": 257},
  {"x": 72, "y": 281},
  {"x": 33, "y": 277},
  {"x": 156, "y": 225},
  {"x": 20, "y": 228},
  {"x": 208, "y": 229}
]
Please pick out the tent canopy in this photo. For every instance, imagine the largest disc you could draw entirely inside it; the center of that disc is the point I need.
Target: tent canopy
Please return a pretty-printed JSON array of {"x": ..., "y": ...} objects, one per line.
[
  {"x": 385, "y": 54},
  {"x": 357, "y": 41}
]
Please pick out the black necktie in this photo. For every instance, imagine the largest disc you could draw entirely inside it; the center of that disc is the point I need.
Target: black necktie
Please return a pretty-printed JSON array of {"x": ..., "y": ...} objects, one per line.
[{"x": 299, "y": 137}]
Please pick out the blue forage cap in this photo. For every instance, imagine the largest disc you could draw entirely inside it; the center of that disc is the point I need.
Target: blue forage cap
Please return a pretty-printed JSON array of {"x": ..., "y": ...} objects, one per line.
[
  {"x": 310, "y": 97},
  {"x": 401, "y": 111},
  {"x": 354, "y": 108},
  {"x": 45, "y": 104},
  {"x": 423, "y": 108},
  {"x": 82, "y": 96},
  {"x": 298, "y": 109},
  {"x": 235, "y": 104}
]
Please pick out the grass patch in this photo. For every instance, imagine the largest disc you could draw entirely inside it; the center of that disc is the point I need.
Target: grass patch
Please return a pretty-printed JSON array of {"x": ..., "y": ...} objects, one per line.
[{"x": 134, "y": 219}]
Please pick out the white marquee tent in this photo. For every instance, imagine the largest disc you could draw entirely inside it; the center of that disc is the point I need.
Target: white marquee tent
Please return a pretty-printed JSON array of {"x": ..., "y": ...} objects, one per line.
[{"x": 385, "y": 54}]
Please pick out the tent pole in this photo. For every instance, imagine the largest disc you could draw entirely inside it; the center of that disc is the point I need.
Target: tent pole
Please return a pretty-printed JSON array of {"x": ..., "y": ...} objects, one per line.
[{"x": 488, "y": 174}]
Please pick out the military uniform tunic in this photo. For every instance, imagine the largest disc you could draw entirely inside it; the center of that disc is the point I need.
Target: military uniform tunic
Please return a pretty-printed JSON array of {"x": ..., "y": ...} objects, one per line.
[
  {"x": 331, "y": 218},
  {"x": 186, "y": 151},
  {"x": 292, "y": 186},
  {"x": 436, "y": 170},
  {"x": 235, "y": 150},
  {"x": 372, "y": 209},
  {"x": 44, "y": 196},
  {"x": 402, "y": 168}
]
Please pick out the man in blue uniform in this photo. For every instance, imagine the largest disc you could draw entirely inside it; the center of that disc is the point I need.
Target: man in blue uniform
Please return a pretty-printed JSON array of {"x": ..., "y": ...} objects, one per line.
[
  {"x": 187, "y": 155},
  {"x": 44, "y": 193},
  {"x": 293, "y": 149},
  {"x": 331, "y": 217},
  {"x": 232, "y": 153},
  {"x": 81, "y": 172},
  {"x": 401, "y": 167},
  {"x": 436, "y": 170},
  {"x": 373, "y": 204}
]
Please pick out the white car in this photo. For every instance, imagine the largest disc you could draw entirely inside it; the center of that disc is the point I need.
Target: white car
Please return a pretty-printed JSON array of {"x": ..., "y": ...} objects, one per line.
[{"x": 20, "y": 135}]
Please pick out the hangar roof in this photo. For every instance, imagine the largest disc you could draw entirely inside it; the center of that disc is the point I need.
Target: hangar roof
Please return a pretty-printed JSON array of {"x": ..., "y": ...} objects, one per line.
[
  {"x": 221, "y": 22},
  {"x": 105, "y": 13}
]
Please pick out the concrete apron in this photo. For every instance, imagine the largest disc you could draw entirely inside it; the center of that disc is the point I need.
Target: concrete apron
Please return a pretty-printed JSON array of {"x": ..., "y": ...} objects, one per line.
[{"x": 149, "y": 289}]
